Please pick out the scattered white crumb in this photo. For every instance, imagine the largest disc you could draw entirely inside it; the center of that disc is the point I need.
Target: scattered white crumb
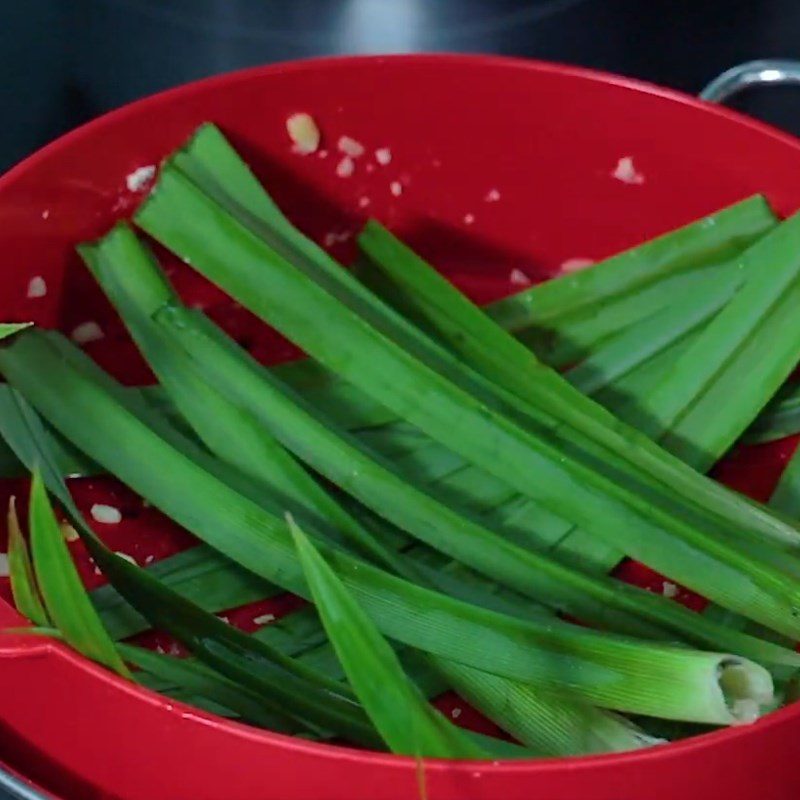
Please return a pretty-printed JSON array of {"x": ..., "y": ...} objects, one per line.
[
  {"x": 396, "y": 188},
  {"x": 346, "y": 167},
  {"x": 4, "y": 571},
  {"x": 137, "y": 180},
  {"x": 87, "y": 332},
  {"x": 669, "y": 589},
  {"x": 370, "y": 167},
  {"x": 46, "y": 213},
  {"x": 626, "y": 172},
  {"x": 455, "y": 713},
  {"x": 492, "y": 196},
  {"x": 264, "y": 619},
  {"x": 106, "y": 514},
  {"x": 363, "y": 202},
  {"x": 127, "y": 557},
  {"x": 350, "y": 146},
  {"x": 383, "y": 155},
  {"x": 332, "y": 237},
  {"x": 225, "y": 620},
  {"x": 576, "y": 264},
  {"x": 149, "y": 559},
  {"x": 519, "y": 278},
  {"x": 303, "y": 132},
  {"x": 37, "y": 287},
  {"x": 322, "y": 154},
  {"x": 174, "y": 649},
  {"x": 98, "y": 571},
  {"x": 469, "y": 219},
  {"x": 70, "y": 534},
  {"x": 160, "y": 649}
]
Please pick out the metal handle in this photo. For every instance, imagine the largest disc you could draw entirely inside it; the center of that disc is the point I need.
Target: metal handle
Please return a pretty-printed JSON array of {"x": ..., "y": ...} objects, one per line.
[{"x": 775, "y": 72}]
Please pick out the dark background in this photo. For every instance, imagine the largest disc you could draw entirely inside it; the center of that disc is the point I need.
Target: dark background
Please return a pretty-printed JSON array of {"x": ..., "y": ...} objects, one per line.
[{"x": 65, "y": 61}]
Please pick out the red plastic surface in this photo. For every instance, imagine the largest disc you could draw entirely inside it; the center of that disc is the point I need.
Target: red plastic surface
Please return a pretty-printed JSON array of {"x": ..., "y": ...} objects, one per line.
[{"x": 504, "y": 167}]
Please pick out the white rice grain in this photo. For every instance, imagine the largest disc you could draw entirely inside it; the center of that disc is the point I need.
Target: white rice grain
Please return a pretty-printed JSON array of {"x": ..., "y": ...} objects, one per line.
[
  {"x": 626, "y": 172},
  {"x": 137, "y": 180},
  {"x": 383, "y": 155},
  {"x": 37, "y": 287},
  {"x": 303, "y": 132},
  {"x": 350, "y": 147},
  {"x": 346, "y": 167},
  {"x": 108, "y": 515},
  {"x": 87, "y": 332}
]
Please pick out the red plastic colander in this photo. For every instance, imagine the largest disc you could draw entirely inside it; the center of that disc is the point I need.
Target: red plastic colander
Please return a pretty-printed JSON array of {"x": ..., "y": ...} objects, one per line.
[{"x": 499, "y": 172}]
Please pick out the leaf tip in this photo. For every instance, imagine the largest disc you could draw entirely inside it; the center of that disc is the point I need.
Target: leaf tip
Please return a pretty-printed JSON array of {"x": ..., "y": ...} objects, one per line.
[{"x": 11, "y": 328}]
